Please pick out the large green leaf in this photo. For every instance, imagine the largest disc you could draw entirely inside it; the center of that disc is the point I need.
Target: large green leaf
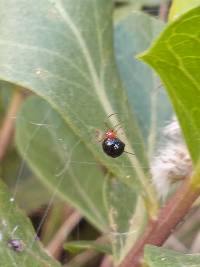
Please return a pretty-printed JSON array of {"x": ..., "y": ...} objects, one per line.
[
  {"x": 175, "y": 56},
  {"x": 64, "y": 164},
  {"x": 126, "y": 224},
  {"x": 179, "y": 7},
  {"x": 157, "y": 257},
  {"x": 14, "y": 225},
  {"x": 61, "y": 159},
  {"x": 133, "y": 35},
  {"x": 62, "y": 50}
]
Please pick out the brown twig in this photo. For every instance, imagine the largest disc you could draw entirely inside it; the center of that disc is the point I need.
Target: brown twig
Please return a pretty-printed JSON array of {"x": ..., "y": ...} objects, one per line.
[
  {"x": 173, "y": 243},
  {"x": 58, "y": 213},
  {"x": 159, "y": 229},
  {"x": 8, "y": 125},
  {"x": 56, "y": 244},
  {"x": 107, "y": 261},
  {"x": 195, "y": 247},
  {"x": 163, "y": 11}
]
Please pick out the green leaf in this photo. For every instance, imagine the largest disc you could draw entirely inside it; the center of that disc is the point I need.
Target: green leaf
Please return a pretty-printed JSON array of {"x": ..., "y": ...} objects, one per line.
[
  {"x": 133, "y": 35},
  {"x": 61, "y": 159},
  {"x": 157, "y": 257},
  {"x": 144, "y": 97},
  {"x": 63, "y": 51},
  {"x": 63, "y": 166},
  {"x": 14, "y": 225},
  {"x": 127, "y": 221},
  {"x": 78, "y": 246},
  {"x": 175, "y": 56},
  {"x": 181, "y": 6}
]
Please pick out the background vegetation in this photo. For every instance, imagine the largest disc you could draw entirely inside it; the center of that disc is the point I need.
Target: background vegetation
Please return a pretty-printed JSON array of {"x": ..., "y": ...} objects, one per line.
[{"x": 65, "y": 66}]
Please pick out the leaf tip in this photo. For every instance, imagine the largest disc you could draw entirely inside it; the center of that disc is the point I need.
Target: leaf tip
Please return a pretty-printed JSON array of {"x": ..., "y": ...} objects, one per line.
[{"x": 143, "y": 56}]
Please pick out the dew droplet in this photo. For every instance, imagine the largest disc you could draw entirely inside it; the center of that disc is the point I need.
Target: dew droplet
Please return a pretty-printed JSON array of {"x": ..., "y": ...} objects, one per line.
[
  {"x": 41, "y": 73},
  {"x": 163, "y": 259},
  {"x": 38, "y": 71},
  {"x": 12, "y": 199}
]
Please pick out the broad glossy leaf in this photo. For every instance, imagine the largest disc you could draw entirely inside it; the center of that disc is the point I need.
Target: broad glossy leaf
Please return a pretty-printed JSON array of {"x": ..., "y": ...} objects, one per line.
[
  {"x": 14, "y": 225},
  {"x": 61, "y": 160},
  {"x": 181, "y": 6},
  {"x": 175, "y": 56},
  {"x": 144, "y": 97},
  {"x": 62, "y": 50},
  {"x": 128, "y": 223},
  {"x": 133, "y": 35},
  {"x": 157, "y": 257},
  {"x": 64, "y": 164}
]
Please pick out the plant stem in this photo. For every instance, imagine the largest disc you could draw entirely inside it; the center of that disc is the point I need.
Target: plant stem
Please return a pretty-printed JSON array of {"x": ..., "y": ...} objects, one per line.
[
  {"x": 56, "y": 244},
  {"x": 163, "y": 11},
  {"x": 195, "y": 247},
  {"x": 8, "y": 125},
  {"x": 159, "y": 229},
  {"x": 174, "y": 243},
  {"x": 107, "y": 261}
]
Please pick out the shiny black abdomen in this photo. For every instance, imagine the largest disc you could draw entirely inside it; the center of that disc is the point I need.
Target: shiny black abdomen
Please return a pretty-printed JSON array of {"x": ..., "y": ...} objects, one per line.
[{"x": 113, "y": 147}]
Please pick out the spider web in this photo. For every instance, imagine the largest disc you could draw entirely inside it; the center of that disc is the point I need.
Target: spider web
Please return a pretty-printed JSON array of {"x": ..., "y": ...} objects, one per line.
[
  {"x": 113, "y": 190},
  {"x": 118, "y": 236},
  {"x": 124, "y": 224}
]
